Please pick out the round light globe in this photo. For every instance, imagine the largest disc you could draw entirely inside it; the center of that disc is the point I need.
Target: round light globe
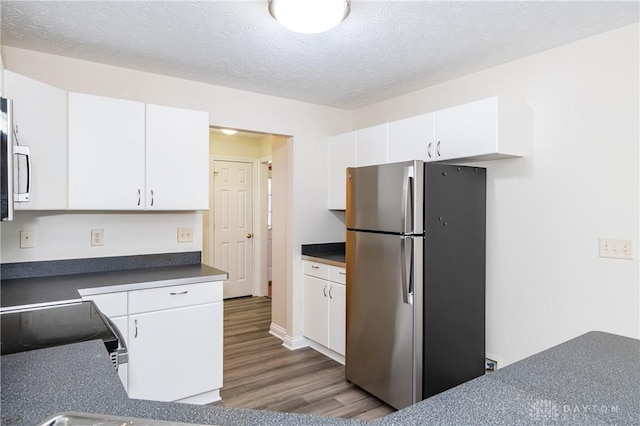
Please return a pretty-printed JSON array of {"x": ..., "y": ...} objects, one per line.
[{"x": 309, "y": 16}]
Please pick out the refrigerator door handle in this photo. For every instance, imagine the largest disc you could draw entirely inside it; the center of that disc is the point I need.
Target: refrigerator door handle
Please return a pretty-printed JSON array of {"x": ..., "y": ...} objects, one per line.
[
  {"x": 406, "y": 270},
  {"x": 406, "y": 208}
]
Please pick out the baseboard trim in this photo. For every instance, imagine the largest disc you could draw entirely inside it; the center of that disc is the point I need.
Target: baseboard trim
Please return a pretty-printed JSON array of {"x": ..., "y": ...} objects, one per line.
[
  {"x": 327, "y": 352},
  {"x": 291, "y": 343},
  {"x": 277, "y": 331},
  {"x": 203, "y": 398}
]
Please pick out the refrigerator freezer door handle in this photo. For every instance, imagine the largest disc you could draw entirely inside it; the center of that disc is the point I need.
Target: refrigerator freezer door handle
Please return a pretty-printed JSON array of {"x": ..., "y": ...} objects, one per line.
[
  {"x": 407, "y": 288},
  {"x": 406, "y": 208}
]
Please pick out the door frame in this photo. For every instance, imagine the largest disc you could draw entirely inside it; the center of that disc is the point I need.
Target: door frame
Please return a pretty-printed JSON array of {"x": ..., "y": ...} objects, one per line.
[
  {"x": 262, "y": 275},
  {"x": 258, "y": 234}
]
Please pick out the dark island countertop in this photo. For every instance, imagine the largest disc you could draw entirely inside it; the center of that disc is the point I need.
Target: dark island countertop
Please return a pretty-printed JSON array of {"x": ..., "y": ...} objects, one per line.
[
  {"x": 329, "y": 253},
  {"x": 79, "y": 377},
  {"x": 593, "y": 379}
]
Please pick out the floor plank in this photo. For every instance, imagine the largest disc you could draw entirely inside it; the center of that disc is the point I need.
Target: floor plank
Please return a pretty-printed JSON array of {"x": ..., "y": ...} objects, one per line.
[{"x": 259, "y": 373}]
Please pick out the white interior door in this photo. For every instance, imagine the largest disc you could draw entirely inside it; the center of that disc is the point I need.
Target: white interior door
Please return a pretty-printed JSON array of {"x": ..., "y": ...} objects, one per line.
[{"x": 233, "y": 235}]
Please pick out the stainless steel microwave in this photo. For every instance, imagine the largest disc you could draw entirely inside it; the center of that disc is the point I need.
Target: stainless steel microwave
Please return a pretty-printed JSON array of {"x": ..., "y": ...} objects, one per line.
[{"x": 14, "y": 159}]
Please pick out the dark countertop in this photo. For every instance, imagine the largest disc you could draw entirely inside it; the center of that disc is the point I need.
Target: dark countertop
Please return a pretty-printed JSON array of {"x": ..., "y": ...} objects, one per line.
[
  {"x": 330, "y": 253},
  {"x": 79, "y": 377},
  {"x": 27, "y": 291},
  {"x": 591, "y": 379}
]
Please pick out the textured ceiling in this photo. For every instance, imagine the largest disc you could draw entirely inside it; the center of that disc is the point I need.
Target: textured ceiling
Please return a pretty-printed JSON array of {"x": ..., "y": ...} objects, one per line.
[{"x": 383, "y": 49}]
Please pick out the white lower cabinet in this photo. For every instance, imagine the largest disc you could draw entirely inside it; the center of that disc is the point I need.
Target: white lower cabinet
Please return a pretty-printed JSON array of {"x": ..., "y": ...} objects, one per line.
[
  {"x": 337, "y": 317},
  {"x": 175, "y": 354},
  {"x": 174, "y": 337},
  {"x": 325, "y": 308},
  {"x": 316, "y": 312}
]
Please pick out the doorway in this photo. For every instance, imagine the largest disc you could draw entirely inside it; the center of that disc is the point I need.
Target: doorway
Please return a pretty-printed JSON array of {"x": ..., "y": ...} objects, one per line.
[{"x": 239, "y": 194}]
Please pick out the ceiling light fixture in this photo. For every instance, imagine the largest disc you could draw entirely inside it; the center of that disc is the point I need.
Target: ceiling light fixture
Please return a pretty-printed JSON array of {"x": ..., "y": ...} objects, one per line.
[
  {"x": 309, "y": 16},
  {"x": 229, "y": 131}
]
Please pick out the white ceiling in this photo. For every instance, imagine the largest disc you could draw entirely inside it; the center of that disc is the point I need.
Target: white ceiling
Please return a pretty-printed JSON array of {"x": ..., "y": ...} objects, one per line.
[{"x": 383, "y": 49}]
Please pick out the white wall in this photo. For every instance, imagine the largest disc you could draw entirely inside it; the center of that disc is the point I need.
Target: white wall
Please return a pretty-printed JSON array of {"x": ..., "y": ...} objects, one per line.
[
  {"x": 545, "y": 281},
  {"x": 65, "y": 235},
  {"x": 308, "y": 219}
]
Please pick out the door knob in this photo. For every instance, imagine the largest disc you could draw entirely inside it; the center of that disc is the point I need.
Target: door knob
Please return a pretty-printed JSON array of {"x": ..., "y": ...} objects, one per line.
[{"x": 249, "y": 235}]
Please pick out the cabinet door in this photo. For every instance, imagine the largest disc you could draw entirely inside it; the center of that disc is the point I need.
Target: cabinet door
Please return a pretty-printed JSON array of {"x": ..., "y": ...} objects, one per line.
[
  {"x": 106, "y": 153},
  {"x": 175, "y": 353},
  {"x": 40, "y": 113},
  {"x": 371, "y": 145},
  {"x": 342, "y": 154},
  {"x": 316, "y": 310},
  {"x": 177, "y": 164},
  {"x": 412, "y": 139},
  {"x": 337, "y": 318},
  {"x": 467, "y": 130}
]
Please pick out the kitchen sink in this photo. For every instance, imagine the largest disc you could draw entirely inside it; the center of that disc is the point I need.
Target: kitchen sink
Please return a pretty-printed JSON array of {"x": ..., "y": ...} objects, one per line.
[{"x": 89, "y": 419}]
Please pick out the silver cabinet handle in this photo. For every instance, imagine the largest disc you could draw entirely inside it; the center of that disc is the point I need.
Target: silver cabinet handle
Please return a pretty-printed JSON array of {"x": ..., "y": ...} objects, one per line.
[
  {"x": 152, "y": 198},
  {"x": 136, "y": 332},
  {"x": 330, "y": 296},
  {"x": 139, "y": 196},
  {"x": 179, "y": 293},
  {"x": 342, "y": 273},
  {"x": 324, "y": 290},
  {"x": 315, "y": 267},
  {"x": 438, "y": 149},
  {"x": 429, "y": 149}
]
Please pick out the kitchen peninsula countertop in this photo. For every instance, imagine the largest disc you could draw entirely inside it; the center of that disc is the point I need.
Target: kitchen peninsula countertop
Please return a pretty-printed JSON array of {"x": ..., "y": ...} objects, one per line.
[
  {"x": 591, "y": 379},
  {"x": 329, "y": 253}
]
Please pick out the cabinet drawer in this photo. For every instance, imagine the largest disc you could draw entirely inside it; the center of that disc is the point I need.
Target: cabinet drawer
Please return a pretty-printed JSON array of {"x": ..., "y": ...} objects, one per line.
[
  {"x": 155, "y": 299},
  {"x": 110, "y": 304},
  {"x": 315, "y": 269},
  {"x": 337, "y": 275}
]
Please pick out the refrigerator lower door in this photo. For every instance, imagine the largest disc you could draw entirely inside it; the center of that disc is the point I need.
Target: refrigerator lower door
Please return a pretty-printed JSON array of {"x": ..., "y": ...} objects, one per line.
[{"x": 384, "y": 333}]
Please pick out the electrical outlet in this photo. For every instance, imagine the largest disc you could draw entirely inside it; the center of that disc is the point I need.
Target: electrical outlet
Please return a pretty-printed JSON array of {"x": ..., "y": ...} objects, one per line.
[
  {"x": 97, "y": 237},
  {"x": 616, "y": 249},
  {"x": 185, "y": 235},
  {"x": 490, "y": 365},
  {"x": 26, "y": 239}
]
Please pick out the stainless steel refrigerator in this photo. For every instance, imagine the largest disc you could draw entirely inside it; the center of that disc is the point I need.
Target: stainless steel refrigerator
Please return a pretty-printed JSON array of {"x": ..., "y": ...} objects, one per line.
[{"x": 415, "y": 278}]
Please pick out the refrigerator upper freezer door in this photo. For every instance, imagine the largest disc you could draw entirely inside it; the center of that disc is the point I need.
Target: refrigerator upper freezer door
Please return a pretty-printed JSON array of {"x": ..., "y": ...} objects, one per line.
[
  {"x": 386, "y": 198},
  {"x": 384, "y": 334}
]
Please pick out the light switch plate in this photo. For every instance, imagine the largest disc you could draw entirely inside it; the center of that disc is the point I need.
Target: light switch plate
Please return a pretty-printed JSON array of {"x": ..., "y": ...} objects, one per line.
[
  {"x": 616, "y": 249},
  {"x": 185, "y": 235}
]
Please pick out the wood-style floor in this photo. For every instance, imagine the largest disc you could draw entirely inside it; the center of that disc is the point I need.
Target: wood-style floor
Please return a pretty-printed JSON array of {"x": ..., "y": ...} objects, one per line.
[{"x": 259, "y": 373}]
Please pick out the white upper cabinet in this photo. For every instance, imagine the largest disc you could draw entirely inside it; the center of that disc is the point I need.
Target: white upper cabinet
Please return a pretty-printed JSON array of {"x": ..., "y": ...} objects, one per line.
[
  {"x": 126, "y": 155},
  {"x": 177, "y": 159},
  {"x": 371, "y": 145},
  {"x": 40, "y": 113},
  {"x": 342, "y": 154},
  {"x": 487, "y": 129},
  {"x": 412, "y": 139},
  {"x": 106, "y": 153}
]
